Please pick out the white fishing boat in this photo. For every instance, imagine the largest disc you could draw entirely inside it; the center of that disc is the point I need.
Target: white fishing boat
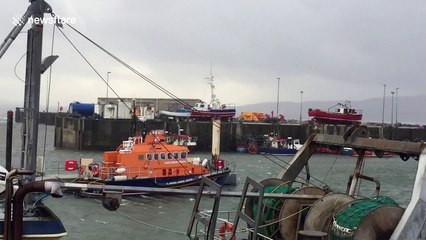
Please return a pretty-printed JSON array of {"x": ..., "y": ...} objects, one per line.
[{"x": 180, "y": 113}]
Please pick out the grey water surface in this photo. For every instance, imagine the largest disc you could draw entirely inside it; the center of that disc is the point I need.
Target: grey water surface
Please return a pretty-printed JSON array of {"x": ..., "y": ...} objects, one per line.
[{"x": 167, "y": 217}]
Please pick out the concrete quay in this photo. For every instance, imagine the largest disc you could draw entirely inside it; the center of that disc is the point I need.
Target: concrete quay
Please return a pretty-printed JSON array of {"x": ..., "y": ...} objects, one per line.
[{"x": 107, "y": 134}]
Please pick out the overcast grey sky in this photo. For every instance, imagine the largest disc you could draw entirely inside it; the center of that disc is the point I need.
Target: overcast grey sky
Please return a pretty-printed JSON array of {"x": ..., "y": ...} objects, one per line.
[{"x": 331, "y": 50}]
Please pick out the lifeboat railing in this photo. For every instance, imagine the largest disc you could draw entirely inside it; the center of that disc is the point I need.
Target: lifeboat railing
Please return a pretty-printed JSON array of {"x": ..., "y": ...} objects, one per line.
[
  {"x": 150, "y": 172},
  {"x": 106, "y": 172}
]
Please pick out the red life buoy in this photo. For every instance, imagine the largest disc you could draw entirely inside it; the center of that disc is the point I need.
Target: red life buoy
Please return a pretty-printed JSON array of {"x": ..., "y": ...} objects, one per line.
[
  {"x": 95, "y": 170},
  {"x": 252, "y": 148},
  {"x": 81, "y": 170},
  {"x": 228, "y": 227}
]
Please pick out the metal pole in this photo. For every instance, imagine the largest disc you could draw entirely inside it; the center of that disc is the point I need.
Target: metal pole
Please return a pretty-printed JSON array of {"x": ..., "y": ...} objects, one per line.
[
  {"x": 9, "y": 140},
  {"x": 301, "y": 102},
  {"x": 32, "y": 93},
  {"x": 107, "y": 85},
  {"x": 392, "y": 93},
  {"x": 19, "y": 25},
  {"x": 383, "y": 110},
  {"x": 278, "y": 98},
  {"x": 396, "y": 106}
]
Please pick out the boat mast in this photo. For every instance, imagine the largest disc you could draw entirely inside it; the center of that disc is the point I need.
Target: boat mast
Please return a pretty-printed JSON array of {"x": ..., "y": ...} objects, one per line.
[
  {"x": 32, "y": 88},
  {"x": 214, "y": 101}
]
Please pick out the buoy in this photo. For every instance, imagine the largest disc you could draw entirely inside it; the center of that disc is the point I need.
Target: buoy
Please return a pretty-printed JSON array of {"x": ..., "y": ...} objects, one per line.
[
  {"x": 252, "y": 148},
  {"x": 95, "y": 170},
  {"x": 404, "y": 156},
  {"x": 226, "y": 227},
  {"x": 120, "y": 170},
  {"x": 81, "y": 170}
]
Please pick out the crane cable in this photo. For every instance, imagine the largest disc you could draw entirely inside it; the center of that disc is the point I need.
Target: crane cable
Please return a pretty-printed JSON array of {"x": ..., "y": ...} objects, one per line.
[
  {"x": 97, "y": 72},
  {"x": 168, "y": 93},
  {"x": 91, "y": 66}
]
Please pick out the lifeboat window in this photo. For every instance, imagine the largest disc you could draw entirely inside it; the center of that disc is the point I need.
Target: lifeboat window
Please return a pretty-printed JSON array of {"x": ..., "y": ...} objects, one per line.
[
  {"x": 148, "y": 156},
  {"x": 183, "y": 155},
  {"x": 155, "y": 156},
  {"x": 141, "y": 157},
  {"x": 175, "y": 155},
  {"x": 169, "y": 156},
  {"x": 164, "y": 172},
  {"x": 162, "y": 156}
]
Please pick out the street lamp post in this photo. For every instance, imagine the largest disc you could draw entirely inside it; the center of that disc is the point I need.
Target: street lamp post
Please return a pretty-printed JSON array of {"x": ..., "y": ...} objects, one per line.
[
  {"x": 278, "y": 97},
  {"x": 396, "y": 106},
  {"x": 107, "y": 83},
  {"x": 392, "y": 93},
  {"x": 383, "y": 110},
  {"x": 301, "y": 102}
]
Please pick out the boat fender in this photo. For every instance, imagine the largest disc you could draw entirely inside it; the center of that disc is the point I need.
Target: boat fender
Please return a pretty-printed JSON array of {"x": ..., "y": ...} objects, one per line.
[
  {"x": 95, "y": 170},
  {"x": 120, "y": 170},
  {"x": 404, "y": 156},
  {"x": 3, "y": 174},
  {"x": 119, "y": 178},
  {"x": 416, "y": 157},
  {"x": 196, "y": 161},
  {"x": 205, "y": 162},
  {"x": 228, "y": 227}
]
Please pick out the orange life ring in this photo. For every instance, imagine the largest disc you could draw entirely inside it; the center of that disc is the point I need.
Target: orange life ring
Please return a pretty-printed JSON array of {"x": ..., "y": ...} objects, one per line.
[
  {"x": 95, "y": 170},
  {"x": 228, "y": 227}
]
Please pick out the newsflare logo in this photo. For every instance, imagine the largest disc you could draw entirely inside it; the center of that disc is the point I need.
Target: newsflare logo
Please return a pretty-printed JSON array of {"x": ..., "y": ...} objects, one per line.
[{"x": 18, "y": 21}]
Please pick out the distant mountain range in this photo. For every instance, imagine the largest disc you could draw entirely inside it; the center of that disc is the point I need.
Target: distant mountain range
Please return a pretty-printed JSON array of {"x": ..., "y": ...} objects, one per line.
[{"x": 372, "y": 109}]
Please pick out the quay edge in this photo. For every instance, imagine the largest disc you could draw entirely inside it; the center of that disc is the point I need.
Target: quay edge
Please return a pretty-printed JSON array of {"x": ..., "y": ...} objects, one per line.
[{"x": 107, "y": 134}]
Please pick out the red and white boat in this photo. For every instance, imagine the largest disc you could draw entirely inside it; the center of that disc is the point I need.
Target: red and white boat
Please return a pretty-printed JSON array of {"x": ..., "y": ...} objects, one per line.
[
  {"x": 337, "y": 114},
  {"x": 213, "y": 110}
]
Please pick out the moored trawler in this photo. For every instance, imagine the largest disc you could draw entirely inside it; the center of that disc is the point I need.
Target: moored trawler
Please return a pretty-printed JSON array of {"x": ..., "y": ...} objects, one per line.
[
  {"x": 152, "y": 162},
  {"x": 343, "y": 114}
]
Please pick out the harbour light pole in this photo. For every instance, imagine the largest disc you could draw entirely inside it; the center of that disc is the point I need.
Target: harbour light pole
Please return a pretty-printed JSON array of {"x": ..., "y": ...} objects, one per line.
[
  {"x": 383, "y": 110},
  {"x": 301, "y": 102},
  {"x": 396, "y": 105},
  {"x": 392, "y": 93},
  {"x": 107, "y": 82},
  {"x": 278, "y": 98}
]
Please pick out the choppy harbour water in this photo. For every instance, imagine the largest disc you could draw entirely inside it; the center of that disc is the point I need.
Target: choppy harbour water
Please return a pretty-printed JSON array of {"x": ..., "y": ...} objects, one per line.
[{"x": 167, "y": 217}]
